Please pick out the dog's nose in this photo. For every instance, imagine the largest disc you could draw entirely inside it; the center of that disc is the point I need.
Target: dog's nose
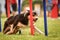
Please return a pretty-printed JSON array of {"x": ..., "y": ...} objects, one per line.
[{"x": 36, "y": 18}]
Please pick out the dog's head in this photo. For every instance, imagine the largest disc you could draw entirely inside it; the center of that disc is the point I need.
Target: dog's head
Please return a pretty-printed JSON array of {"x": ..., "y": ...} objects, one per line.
[{"x": 34, "y": 15}]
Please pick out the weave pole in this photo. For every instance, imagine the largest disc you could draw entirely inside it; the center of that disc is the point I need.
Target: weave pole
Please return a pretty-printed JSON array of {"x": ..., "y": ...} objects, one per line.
[
  {"x": 19, "y": 6},
  {"x": 19, "y": 11},
  {"x": 0, "y": 17},
  {"x": 31, "y": 18},
  {"x": 45, "y": 18},
  {"x": 8, "y": 8}
]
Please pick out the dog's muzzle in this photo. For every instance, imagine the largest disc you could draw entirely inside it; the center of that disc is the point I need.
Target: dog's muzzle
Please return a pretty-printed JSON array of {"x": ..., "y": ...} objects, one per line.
[{"x": 35, "y": 19}]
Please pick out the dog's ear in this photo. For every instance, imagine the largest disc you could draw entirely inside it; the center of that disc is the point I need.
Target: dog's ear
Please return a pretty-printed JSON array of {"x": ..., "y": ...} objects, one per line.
[{"x": 27, "y": 13}]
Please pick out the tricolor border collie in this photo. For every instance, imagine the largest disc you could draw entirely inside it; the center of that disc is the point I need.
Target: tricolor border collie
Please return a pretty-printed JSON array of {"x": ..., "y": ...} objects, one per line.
[{"x": 13, "y": 23}]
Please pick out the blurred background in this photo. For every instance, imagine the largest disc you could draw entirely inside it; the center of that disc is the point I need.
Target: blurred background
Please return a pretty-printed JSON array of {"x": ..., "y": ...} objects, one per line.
[
  {"x": 37, "y": 5},
  {"x": 53, "y": 20}
]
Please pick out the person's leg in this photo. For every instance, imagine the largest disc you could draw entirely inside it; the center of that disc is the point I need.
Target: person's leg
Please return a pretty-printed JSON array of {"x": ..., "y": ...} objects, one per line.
[
  {"x": 14, "y": 8},
  {"x": 6, "y": 10},
  {"x": 49, "y": 11},
  {"x": 58, "y": 10}
]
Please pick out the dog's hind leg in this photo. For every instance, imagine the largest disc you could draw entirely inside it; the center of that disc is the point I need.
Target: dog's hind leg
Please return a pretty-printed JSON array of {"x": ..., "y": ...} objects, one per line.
[
  {"x": 6, "y": 30},
  {"x": 11, "y": 29}
]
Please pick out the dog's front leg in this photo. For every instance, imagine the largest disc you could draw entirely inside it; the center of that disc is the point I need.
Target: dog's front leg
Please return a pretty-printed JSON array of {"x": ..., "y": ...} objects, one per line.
[
  {"x": 11, "y": 29},
  {"x": 20, "y": 25}
]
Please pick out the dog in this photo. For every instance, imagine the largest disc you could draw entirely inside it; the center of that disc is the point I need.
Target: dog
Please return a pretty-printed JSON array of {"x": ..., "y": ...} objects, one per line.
[{"x": 13, "y": 23}]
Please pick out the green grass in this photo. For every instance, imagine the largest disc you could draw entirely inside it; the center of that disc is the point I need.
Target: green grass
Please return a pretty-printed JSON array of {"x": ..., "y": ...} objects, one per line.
[{"x": 53, "y": 31}]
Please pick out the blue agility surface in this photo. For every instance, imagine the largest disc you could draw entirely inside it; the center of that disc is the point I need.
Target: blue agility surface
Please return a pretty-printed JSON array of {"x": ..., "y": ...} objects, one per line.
[{"x": 45, "y": 18}]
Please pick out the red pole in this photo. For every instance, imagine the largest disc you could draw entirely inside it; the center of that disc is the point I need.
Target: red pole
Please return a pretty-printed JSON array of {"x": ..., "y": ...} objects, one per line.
[
  {"x": 8, "y": 8},
  {"x": 31, "y": 18},
  {"x": 54, "y": 9}
]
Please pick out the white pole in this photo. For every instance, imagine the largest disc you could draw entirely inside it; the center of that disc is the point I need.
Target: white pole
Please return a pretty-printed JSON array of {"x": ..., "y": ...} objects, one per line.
[{"x": 38, "y": 30}]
